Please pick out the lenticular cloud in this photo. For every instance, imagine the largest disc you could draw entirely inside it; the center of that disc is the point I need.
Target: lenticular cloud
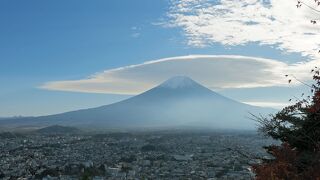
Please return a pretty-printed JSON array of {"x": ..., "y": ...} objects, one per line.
[{"x": 211, "y": 71}]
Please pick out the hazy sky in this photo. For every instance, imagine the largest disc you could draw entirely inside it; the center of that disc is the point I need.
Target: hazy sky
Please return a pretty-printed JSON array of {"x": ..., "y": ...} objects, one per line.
[{"x": 57, "y": 56}]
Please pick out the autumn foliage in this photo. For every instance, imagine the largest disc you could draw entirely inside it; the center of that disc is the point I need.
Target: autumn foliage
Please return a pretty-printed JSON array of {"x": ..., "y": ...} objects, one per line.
[{"x": 298, "y": 128}]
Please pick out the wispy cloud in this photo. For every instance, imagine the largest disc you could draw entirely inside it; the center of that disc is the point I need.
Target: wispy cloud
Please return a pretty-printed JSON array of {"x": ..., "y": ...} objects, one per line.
[
  {"x": 212, "y": 71},
  {"x": 276, "y": 105},
  {"x": 269, "y": 22},
  {"x": 135, "y": 31},
  {"x": 135, "y": 35}
]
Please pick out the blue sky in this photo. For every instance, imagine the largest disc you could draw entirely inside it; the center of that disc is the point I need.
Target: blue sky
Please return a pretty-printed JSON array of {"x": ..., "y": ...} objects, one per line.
[{"x": 44, "y": 41}]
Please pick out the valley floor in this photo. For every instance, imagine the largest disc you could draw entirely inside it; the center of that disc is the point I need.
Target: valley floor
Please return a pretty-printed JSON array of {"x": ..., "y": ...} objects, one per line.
[{"x": 143, "y": 155}]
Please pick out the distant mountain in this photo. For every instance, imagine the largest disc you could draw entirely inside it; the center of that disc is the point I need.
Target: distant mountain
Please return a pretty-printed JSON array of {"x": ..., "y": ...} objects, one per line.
[
  {"x": 56, "y": 129},
  {"x": 10, "y": 135},
  {"x": 13, "y": 117},
  {"x": 177, "y": 102}
]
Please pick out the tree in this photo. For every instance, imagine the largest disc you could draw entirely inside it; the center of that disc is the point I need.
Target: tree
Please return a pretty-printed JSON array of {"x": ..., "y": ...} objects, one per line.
[
  {"x": 301, "y": 3},
  {"x": 298, "y": 128}
]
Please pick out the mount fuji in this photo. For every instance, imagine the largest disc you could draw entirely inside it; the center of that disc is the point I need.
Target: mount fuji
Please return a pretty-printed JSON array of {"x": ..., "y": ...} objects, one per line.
[{"x": 177, "y": 102}]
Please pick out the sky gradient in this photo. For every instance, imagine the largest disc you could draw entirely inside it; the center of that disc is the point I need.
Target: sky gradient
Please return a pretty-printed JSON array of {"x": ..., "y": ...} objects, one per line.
[{"x": 43, "y": 42}]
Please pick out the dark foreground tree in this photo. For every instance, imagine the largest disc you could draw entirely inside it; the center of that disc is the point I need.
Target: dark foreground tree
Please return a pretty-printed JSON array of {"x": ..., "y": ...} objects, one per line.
[{"x": 298, "y": 128}]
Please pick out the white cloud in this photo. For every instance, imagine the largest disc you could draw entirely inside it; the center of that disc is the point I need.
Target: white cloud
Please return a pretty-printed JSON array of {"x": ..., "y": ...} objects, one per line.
[
  {"x": 211, "y": 71},
  {"x": 135, "y": 32},
  {"x": 276, "y": 105},
  {"x": 270, "y": 22},
  {"x": 135, "y": 35}
]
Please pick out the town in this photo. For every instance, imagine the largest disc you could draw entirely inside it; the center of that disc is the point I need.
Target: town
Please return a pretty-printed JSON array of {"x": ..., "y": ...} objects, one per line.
[{"x": 172, "y": 154}]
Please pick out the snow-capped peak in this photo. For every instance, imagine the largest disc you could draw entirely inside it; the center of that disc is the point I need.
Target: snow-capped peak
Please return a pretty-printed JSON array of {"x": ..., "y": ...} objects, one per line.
[{"x": 178, "y": 82}]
